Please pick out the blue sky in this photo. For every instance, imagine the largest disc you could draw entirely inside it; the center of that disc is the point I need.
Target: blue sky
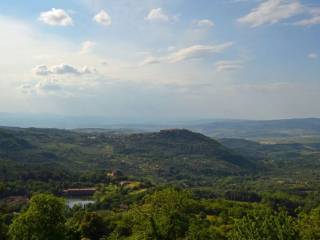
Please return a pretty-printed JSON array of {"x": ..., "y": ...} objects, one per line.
[{"x": 161, "y": 59}]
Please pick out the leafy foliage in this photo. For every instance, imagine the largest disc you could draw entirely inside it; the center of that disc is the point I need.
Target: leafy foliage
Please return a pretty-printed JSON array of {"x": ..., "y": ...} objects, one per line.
[
  {"x": 309, "y": 225},
  {"x": 264, "y": 225},
  {"x": 44, "y": 219}
]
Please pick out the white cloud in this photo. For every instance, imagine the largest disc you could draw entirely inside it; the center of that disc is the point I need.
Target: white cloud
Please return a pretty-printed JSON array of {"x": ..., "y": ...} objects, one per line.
[
  {"x": 314, "y": 18},
  {"x": 271, "y": 12},
  {"x": 312, "y": 55},
  {"x": 197, "y": 51},
  {"x": 223, "y": 66},
  {"x": 23, "y": 46},
  {"x": 48, "y": 86},
  {"x": 64, "y": 69},
  {"x": 103, "y": 18},
  {"x": 43, "y": 87},
  {"x": 56, "y": 17},
  {"x": 151, "y": 60},
  {"x": 309, "y": 22},
  {"x": 192, "y": 52},
  {"x": 43, "y": 70},
  {"x": 157, "y": 14},
  {"x": 87, "y": 47},
  {"x": 205, "y": 23}
]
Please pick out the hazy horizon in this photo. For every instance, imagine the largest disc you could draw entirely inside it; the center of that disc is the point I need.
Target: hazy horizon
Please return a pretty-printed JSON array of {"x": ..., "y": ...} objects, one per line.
[{"x": 42, "y": 120}]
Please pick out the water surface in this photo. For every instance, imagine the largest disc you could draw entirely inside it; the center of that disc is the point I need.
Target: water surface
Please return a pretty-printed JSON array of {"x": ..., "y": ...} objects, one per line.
[{"x": 71, "y": 202}]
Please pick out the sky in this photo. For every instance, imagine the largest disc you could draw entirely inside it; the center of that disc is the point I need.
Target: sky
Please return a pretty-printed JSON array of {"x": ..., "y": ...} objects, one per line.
[{"x": 161, "y": 59}]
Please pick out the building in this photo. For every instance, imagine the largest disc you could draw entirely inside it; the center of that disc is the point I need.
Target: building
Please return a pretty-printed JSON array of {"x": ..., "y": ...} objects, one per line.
[{"x": 79, "y": 191}]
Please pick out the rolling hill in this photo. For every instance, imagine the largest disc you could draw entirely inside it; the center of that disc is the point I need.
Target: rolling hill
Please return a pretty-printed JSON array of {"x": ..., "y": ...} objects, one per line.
[{"x": 66, "y": 157}]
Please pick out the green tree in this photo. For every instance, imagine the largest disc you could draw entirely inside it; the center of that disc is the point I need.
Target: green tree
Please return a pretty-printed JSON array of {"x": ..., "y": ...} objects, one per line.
[
  {"x": 89, "y": 225},
  {"x": 109, "y": 196},
  {"x": 164, "y": 216},
  {"x": 44, "y": 219},
  {"x": 264, "y": 225},
  {"x": 309, "y": 225},
  {"x": 200, "y": 229}
]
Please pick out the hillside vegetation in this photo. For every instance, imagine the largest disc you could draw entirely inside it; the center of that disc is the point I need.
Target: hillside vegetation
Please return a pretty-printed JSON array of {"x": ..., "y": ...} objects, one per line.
[
  {"x": 171, "y": 184},
  {"x": 65, "y": 158}
]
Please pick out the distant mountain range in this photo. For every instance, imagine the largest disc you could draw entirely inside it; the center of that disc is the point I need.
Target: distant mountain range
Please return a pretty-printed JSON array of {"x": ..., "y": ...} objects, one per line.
[
  {"x": 219, "y": 128},
  {"x": 260, "y": 129},
  {"x": 249, "y": 129}
]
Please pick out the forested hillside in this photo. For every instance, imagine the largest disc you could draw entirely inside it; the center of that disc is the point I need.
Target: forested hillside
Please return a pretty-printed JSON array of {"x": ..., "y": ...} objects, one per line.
[
  {"x": 171, "y": 184},
  {"x": 64, "y": 158}
]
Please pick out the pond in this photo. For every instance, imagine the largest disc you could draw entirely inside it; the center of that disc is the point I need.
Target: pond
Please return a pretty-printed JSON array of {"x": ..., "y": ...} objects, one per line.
[{"x": 71, "y": 202}]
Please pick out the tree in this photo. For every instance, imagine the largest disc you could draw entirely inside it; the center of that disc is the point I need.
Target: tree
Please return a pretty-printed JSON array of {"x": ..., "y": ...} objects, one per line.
[
  {"x": 164, "y": 216},
  {"x": 87, "y": 225},
  {"x": 43, "y": 219},
  {"x": 309, "y": 225},
  {"x": 200, "y": 229},
  {"x": 264, "y": 224}
]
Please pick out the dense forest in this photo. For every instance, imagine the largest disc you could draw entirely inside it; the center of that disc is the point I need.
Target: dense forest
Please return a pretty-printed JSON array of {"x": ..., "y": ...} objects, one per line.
[{"x": 172, "y": 184}]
